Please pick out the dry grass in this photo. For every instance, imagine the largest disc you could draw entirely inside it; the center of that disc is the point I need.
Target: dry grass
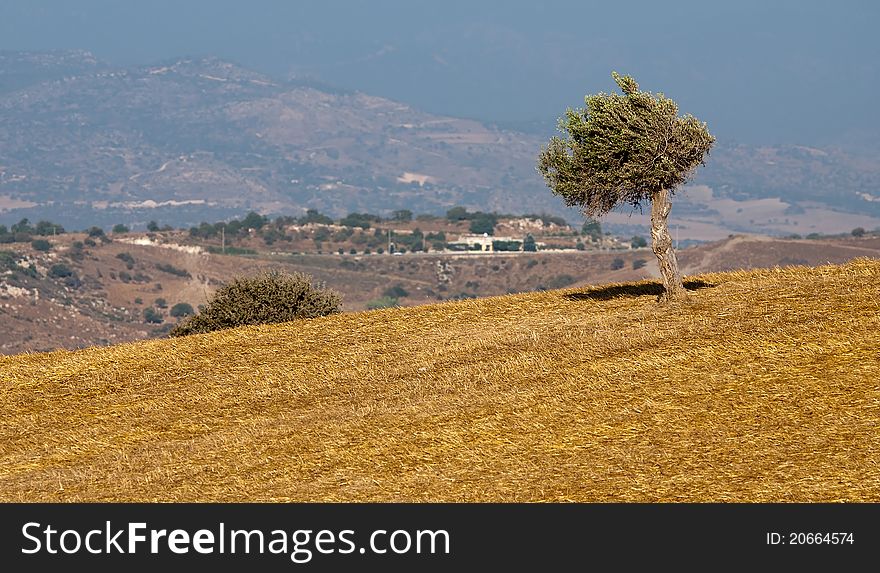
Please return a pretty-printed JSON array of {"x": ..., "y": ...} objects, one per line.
[{"x": 765, "y": 386}]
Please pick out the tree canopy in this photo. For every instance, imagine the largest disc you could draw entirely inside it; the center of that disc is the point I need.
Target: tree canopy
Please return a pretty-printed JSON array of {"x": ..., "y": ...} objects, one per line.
[{"x": 622, "y": 148}]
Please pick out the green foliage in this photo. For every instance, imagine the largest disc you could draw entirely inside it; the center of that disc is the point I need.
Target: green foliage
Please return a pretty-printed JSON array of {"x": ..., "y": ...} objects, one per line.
[
  {"x": 152, "y": 226},
  {"x": 161, "y": 303},
  {"x": 362, "y": 220},
  {"x": 152, "y": 316},
  {"x": 580, "y": 245},
  {"x": 617, "y": 264},
  {"x": 127, "y": 259},
  {"x": 622, "y": 148},
  {"x": 638, "y": 242},
  {"x": 120, "y": 228},
  {"x": 506, "y": 245},
  {"x": 313, "y": 216},
  {"x": 230, "y": 251},
  {"x": 95, "y": 232},
  {"x": 268, "y": 298},
  {"x": 858, "y": 232},
  {"x": 592, "y": 229},
  {"x": 384, "y": 302},
  {"x": 46, "y": 228},
  {"x": 41, "y": 245},
  {"x": 396, "y": 291},
  {"x": 457, "y": 214},
  {"x": 483, "y": 223},
  {"x": 529, "y": 244},
  {"x": 559, "y": 281},
  {"x": 172, "y": 270},
  {"x": 253, "y": 220},
  {"x": 60, "y": 271},
  {"x": 639, "y": 263},
  {"x": 402, "y": 215},
  {"x": 182, "y": 309}
]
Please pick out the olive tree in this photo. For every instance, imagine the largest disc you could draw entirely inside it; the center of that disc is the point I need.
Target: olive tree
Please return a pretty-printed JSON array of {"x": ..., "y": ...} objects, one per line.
[{"x": 628, "y": 148}]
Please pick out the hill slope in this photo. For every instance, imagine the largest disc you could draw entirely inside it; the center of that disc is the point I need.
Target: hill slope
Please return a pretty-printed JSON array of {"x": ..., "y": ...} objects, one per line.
[{"x": 763, "y": 386}]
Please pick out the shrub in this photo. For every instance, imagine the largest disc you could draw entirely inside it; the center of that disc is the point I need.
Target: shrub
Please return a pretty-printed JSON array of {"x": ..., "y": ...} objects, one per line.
[
  {"x": 172, "y": 270},
  {"x": 617, "y": 264},
  {"x": 151, "y": 316},
  {"x": 268, "y": 298},
  {"x": 120, "y": 228},
  {"x": 127, "y": 259},
  {"x": 639, "y": 263},
  {"x": 60, "y": 271},
  {"x": 160, "y": 303},
  {"x": 396, "y": 291},
  {"x": 639, "y": 242},
  {"x": 182, "y": 309},
  {"x": 858, "y": 232},
  {"x": 41, "y": 245}
]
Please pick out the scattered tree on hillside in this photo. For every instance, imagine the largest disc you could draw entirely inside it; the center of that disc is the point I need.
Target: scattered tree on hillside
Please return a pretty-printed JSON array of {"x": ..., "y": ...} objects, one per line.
[
  {"x": 858, "y": 232},
  {"x": 627, "y": 148}
]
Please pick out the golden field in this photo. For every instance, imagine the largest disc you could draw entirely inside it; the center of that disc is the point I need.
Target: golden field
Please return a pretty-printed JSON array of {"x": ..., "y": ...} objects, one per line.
[{"x": 763, "y": 386}]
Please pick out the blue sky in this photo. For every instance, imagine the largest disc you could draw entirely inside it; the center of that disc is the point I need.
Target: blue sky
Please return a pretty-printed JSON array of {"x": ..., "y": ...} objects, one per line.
[{"x": 756, "y": 71}]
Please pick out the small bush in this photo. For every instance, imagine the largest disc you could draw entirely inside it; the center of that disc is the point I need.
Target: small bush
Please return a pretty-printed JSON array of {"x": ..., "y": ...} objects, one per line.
[
  {"x": 617, "y": 264},
  {"x": 858, "y": 232},
  {"x": 151, "y": 316},
  {"x": 264, "y": 299},
  {"x": 181, "y": 309},
  {"x": 172, "y": 270},
  {"x": 396, "y": 291},
  {"x": 127, "y": 259},
  {"x": 41, "y": 245},
  {"x": 639, "y": 263},
  {"x": 60, "y": 271}
]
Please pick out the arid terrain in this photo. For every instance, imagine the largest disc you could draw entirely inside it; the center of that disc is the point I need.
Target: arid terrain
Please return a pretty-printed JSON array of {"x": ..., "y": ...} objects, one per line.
[
  {"x": 99, "y": 294},
  {"x": 761, "y": 387}
]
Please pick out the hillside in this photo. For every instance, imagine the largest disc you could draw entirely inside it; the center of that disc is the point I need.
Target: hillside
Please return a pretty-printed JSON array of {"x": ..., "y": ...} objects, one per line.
[
  {"x": 113, "y": 284},
  {"x": 203, "y": 139},
  {"x": 761, "y": 387}
]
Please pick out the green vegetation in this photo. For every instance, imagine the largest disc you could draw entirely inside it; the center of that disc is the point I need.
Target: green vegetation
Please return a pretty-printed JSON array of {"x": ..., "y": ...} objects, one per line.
[
  {"x": 172, "y": 270},
  {"x": 627, "y": 148},
  {"x": 592, "y": 229},
  {"x": 120, "y": 228},
  {"x": 60, "y": 271},
  {"x": 152, "y": 316},
  {"x": 858, "y": 232},
  {"x": 181, "y": 309},
  {"x": 638, "y": 242},
  {"x": 41, "y": 245},
  {"x": 383, "y": 302},
  {"x": 268, "y": 298},
  {"x": 127, "y": 259}
]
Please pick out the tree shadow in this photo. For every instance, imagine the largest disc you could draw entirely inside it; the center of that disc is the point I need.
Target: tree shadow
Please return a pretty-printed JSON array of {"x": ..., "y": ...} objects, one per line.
[{"x": 631, "y": 290}]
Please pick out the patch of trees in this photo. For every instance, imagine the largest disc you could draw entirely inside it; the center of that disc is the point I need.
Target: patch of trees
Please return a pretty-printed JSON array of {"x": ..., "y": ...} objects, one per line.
[{"x": 24, "y": 231}]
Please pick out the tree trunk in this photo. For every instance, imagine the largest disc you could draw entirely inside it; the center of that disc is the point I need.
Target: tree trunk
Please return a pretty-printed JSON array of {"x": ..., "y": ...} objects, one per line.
[{"x": 661, "y": 244}]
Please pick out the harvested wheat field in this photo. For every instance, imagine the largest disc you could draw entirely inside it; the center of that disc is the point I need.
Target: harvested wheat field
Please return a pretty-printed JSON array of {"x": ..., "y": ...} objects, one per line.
[{"x": 764, "y": 386}]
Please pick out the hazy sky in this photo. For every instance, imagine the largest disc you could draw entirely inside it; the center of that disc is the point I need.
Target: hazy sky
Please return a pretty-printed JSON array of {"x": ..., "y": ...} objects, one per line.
[{"x": 756, "y": 71}]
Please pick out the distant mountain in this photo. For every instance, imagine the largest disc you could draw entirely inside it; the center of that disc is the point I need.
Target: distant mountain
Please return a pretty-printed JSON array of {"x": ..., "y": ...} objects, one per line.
[{"x": 84, "y": 143}]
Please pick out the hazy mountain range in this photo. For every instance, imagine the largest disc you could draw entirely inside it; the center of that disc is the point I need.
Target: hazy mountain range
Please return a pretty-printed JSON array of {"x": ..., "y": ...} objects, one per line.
[{"x": 83, "y": 142}]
